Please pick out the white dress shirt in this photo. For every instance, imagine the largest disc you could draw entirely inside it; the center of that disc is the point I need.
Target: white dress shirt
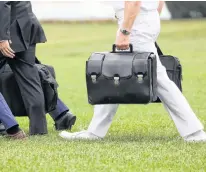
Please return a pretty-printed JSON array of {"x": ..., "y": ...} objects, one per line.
[{"x": 145, "y": 5}]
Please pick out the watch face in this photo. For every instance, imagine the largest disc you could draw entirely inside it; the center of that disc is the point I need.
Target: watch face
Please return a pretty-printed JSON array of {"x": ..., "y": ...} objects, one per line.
[{"x": 125, "y": 32}]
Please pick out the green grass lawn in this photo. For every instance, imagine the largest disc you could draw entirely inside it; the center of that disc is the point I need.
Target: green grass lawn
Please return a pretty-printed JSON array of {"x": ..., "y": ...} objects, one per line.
[{"x": 142, "y": 138}]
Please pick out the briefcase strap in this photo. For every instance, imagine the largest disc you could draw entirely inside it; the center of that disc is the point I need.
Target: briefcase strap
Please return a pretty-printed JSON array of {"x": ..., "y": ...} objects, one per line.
[
  {"x": 3, "y": 62},
  {"x": 159, "y": 51},
  {"x": 24, "y": 61},
  {"x": 36, "y": 61}
]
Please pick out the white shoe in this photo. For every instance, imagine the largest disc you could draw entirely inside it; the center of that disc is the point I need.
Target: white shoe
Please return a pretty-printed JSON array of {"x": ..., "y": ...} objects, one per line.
[
  {"x": 199, "y": 136},
  {"x": 82, "y": 135}
]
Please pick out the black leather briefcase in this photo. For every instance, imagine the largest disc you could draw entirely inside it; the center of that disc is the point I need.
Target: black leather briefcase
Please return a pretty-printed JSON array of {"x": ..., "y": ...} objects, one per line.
[
  {"x": 12, "y": 95},
  {"x": 173, "y": 68},
  {"x": 121, "y": 77}
]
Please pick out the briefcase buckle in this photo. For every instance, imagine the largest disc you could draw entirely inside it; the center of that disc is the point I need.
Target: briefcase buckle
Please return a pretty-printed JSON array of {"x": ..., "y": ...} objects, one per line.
[
  {"x": 116, "y": 80},
  {"x": 140, "y": 78},
  {"x": 94, "y": 78}
]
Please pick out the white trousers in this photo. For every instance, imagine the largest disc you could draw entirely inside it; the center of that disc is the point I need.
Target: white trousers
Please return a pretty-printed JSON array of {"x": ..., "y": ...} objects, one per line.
[{"x": 173, "y": 100}]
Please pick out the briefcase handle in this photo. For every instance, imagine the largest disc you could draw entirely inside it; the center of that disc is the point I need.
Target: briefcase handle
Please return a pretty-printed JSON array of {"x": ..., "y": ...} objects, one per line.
[{"x": 115, "y": 46}]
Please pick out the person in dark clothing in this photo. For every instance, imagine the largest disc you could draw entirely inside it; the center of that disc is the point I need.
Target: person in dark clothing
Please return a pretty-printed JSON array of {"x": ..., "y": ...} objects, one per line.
[{"x": 20, "y": 31}]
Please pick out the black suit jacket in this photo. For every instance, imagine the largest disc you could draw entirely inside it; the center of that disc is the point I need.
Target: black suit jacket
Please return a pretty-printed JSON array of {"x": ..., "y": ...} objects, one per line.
[{"x": 19, "y": 24}]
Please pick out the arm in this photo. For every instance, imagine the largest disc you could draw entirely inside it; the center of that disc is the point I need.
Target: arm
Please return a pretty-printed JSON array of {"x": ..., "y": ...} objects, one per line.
[
  {"x": 161, "y": 4},
  {"x": 131, "y": 10},
  {"x": 5, "y": 10}
]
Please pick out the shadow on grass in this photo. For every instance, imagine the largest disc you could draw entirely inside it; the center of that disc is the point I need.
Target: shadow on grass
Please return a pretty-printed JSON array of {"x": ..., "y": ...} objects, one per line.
[
  {"x": 132, "y": 138},
  {"x": 142, "y": 138}
]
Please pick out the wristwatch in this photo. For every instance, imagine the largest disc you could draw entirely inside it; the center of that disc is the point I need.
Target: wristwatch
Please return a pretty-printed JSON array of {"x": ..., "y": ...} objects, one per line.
[{"x": 125, "y": 32}]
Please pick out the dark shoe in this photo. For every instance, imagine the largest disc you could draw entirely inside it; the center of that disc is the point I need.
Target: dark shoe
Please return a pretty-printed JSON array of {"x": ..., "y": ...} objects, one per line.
[
  {"x": 65, "y": 122},
  {"x": 2, "y": 129},
  {"x": 20, "y": 135}
]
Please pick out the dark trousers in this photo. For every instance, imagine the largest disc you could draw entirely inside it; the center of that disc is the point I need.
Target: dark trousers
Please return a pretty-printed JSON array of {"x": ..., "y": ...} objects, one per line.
[{"x": 28, "y": 80}]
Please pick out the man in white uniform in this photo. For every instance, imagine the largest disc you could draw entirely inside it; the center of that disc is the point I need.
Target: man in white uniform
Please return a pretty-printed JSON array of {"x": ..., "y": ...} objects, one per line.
[{"x": 139, "y": 24}]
